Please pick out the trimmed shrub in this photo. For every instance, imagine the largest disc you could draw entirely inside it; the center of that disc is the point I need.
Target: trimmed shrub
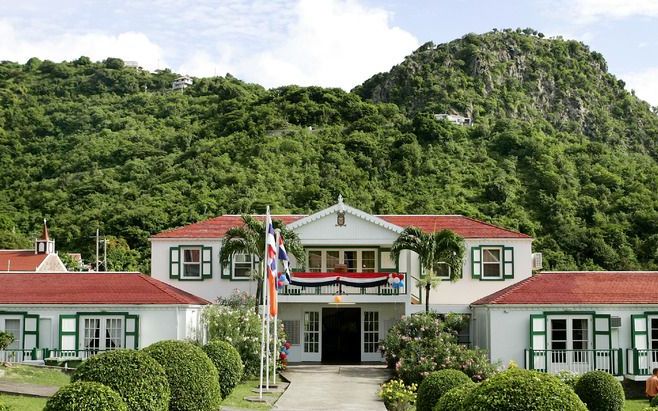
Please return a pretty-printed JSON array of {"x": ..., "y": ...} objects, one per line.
[
  {"x": 135, "y": 376},
  {"x": 453, "y": 399},
  {"x": 85, "y": 396},
  {"x": 397, "y": 396},
  {"x": 435, "y": 385},
  {"x": 193, "y": 379},
  {"x": 600, "y": 391},
  {"x": 568, "y": 377},
  {"x": 522, "y": 390},
  {"x": 228, "y": 363}
]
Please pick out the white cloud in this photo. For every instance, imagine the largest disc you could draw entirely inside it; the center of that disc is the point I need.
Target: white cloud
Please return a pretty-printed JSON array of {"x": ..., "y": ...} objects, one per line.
[
  {"x": 331, "y": 43},
  {"x": 586, "y": 11},
  {"x": 17, "y": 45},
  {"x": 645, "y": 84}
]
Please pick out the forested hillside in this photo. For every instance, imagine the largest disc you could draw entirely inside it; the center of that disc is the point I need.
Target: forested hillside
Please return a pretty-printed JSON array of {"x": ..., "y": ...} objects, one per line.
[{"x": 559, "y": 149}]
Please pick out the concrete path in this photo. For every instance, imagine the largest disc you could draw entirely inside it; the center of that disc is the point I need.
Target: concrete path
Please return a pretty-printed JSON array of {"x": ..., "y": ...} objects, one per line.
[
  {"x": 31, "y": 390},
  {"x": 333, "y": 387}
]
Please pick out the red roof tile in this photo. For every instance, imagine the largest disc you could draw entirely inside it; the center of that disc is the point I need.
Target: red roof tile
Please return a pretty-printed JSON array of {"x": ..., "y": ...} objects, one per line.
[
  {"x": 463, "y": 226},
  {"x": 90, "y": 288},
  {"x": 20, "y": 260},
  {"x": 580, "y": 287}
]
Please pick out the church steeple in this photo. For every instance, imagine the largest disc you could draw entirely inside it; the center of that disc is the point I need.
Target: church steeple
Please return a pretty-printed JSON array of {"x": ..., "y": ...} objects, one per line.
[{"x": 44, "y": 245}]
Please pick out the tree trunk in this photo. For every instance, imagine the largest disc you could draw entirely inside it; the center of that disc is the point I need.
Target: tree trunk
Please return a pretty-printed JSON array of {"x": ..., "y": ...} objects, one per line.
[{"x": 427, "y": 298}]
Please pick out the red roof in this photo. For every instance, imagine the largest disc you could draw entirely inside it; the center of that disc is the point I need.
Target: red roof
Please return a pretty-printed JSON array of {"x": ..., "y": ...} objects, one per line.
[
  {"x": 580, "y": 287},
  {"x": 20, "y": 260},
  {"x": 464, "y": 226},
  {"x": 90, "y": 288}
]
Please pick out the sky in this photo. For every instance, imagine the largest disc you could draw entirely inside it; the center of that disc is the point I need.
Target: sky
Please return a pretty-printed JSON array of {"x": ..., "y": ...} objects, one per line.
[{"x": 330, "y": 43}]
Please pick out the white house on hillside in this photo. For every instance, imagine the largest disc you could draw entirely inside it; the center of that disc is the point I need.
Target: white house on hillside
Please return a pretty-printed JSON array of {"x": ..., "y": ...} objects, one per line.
[{"x": 336, "y": 237}]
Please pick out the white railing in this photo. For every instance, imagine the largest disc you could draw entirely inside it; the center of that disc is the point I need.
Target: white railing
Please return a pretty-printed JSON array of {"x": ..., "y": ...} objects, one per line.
[
  {"x": 576, "y": 361},
  {"x": 339, "y": 289}
]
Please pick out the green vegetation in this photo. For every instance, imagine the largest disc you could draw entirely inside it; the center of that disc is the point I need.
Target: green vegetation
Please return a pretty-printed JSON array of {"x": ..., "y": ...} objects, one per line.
[
  {"x": 453, "y": 400},
  {"x": 85, "y": 396},
  {"x": 436, "y": 384},
  {"x": 600, "y": 391},
  {"x": 193, "y": 379},
  {"x": 559, "y": 149},
  {"x": 397, "y": 396},
  {"x": 20, "y": 403},
  {"x": 135, "y": 376},
  {"x": 236, "y": 398},
  {"x": 228, "y": 363},
  {"x": 35, "y": 375}
]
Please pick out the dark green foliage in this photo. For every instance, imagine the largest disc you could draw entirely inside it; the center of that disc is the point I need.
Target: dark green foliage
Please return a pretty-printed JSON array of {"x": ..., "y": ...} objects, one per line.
[
  {"x": 134, "y": 375},
  {"x": 228, "y": 363},
  {"x": 559, "y": 149},
  {"x": 193, "y": 379},
  {"x": 436, "y": 384},
  {"x": 85, "y": 396},
  {"x": 6, "y": 338},
  {"x": 523, "y": 390},
  {"x": 453, "y": 399},
  {"x": 600, "y": 391}
]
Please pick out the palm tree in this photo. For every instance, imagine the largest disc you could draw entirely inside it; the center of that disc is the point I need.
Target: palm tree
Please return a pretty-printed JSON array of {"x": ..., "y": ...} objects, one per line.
[
  {"x": 249, "y": 238},
  {"x": 443, "y": 247}
]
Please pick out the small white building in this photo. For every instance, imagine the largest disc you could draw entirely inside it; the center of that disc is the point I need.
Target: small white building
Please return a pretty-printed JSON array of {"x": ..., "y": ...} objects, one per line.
[
  {"x": 577, "y": 321},
  {"x": 181, "y": 83},
  {"x": 80, "y": 314},
  {"x": 42, "y": 258},
  {"x": 455, "y": 119},
  {"x": 345, "y": 238}
]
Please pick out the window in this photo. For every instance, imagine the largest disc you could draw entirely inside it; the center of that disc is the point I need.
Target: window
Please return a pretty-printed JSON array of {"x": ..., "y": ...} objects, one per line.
[
  {"x": 102, "y": 333},
  {"x": 243, "y": 265},
  {"x": 492, "y": 263},
  {"x": 292, "y": 331},
  {"x": 312, "y": 332},
  {"x": 362, "y": 261},
  {"x": 569, "y": 339},
  {"x": 13, "y": 327},
  {"x": 191, "y": 263},
  {"x": 442, "y": 270},
  {"x": 370, "y": 331}
]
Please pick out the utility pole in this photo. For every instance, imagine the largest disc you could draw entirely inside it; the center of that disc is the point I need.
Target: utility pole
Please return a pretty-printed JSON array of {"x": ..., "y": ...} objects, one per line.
[
  {"x": 104, "y": 253},
  {"x": 97, "y": 244}
]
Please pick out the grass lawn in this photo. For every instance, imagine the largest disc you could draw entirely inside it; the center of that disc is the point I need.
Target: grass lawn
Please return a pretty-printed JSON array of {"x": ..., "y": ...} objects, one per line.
[
  {"x": 35, "y": 375},
  {"x": 635, "y": 405},
  {"x": 17, "y": 402},
  {"x": 236, "y": 399}
]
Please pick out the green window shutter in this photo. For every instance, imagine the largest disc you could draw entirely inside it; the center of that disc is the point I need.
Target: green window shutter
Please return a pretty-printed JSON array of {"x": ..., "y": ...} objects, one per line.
[
  {"x": 206, "y": 262},
  {"x": 174, "y": 262},
  {"x": 30, "y": 331},
  {"x": 640, "y": 343},
  {"x": 132, "y": 331},
  {"x": 537, "y": 355},
  {"x": 508, "y": 262},
  {"x": 602, "y": 337},
  {"x": 68, "y": 332},
  {"x": 476, "y": 262}
]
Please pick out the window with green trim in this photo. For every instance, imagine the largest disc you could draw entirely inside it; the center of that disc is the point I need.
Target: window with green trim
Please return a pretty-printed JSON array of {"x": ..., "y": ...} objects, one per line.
[
  {"x": 102, "y": 333},
  {"x": 243, "y": 265},
  {"x": 190, "y": 262},
  {"x": 13, "y": 327},
  {"x": 492, "y": 262}
]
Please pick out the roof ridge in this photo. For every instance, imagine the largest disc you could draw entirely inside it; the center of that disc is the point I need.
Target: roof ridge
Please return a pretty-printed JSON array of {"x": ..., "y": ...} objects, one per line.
[
  {"x": 505, "y": 291},
  {"x": 149, "y": 279},
  {"x": 495, "y": 226},
  {"x": 168, "y": 289}
]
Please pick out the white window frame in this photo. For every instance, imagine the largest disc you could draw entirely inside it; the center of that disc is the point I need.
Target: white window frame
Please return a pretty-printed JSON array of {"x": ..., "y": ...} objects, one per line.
[
  {"x": 102, "y": 332},
  {"x": 444, "y": 277},
  {"x": 371, "y": 332},
  {"x": 500, "y": 264},
  {"x": 312, "y": 329},
  {"x": 569, "y": 354},
  {"x": 341, "y": 258},
  {"x": 184, "y": 263},
  {"x": 251, "y": 264},
  {"x": 17, "y": 344}
]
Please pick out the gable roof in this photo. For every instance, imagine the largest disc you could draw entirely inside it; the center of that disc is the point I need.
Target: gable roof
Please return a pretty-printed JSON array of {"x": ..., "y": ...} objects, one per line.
[
  {"x": 465, "y": 227},
  {"x": 113, "y": 288},
  {"x": 580, "y": 287},
  {"x": 20, "y": 260}
]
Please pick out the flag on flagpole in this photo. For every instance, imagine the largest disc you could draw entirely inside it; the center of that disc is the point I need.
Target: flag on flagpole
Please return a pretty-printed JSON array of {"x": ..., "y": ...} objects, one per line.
[
  {"x": 271, "y": 265},
  {"x": 283, "y": 256}
]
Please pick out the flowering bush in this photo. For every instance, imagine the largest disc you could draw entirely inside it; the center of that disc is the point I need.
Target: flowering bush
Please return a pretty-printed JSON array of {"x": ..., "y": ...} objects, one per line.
[
  {"x": 415, "y": 327},
  {"x": 568, "y": 377},
  {"x": 234, "y": 321},
  {"x": 397, "y": 396}
]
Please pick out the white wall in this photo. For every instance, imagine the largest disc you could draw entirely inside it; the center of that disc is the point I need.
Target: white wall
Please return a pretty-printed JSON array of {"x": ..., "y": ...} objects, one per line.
[
  {"x": 209, "y": 289},
  {"x": 357, "y": 231}
]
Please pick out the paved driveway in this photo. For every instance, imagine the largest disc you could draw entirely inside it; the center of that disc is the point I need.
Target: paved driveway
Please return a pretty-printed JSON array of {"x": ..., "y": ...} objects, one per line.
[{"x": 333, "y": 387}]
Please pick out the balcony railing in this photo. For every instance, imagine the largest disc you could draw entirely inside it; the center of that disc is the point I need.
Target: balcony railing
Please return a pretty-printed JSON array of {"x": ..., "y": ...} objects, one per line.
[
  {"x": 641, "y": 362},
  {"x": 576, "y": 361},
  {"x": 37, "y": 354},
  {"x": 341, "y": 284}
]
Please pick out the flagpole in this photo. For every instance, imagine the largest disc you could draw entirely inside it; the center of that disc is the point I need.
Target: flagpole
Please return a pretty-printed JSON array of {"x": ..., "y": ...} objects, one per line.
[
  {"x": 276, "y": 315},
  {"x": 263, "y": 311}
]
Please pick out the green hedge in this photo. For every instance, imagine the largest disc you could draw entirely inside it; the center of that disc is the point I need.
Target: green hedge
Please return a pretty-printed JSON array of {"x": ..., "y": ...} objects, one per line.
[
  {"x": 435, "y": 385},
  {"x": 600, "y": 391},
  {"x": 134, "y": 375},
  {"x": 85, "y": 396},
  {"x": 453, "y": 399},
  {"x": 3, "y": 406},
  {"x": 193, "y": 379},
  {"x": 228, "y": 363},
  {"x": 523, "y": 390}
]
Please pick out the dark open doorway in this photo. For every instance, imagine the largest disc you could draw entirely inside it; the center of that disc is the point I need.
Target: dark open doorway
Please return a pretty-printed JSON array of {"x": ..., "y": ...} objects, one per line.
[{"x": 341, "y": 335}]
